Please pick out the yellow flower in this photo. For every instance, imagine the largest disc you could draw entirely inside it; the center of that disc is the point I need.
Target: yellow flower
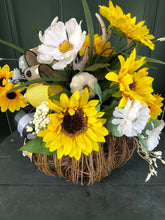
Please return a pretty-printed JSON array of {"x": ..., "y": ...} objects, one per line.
[
  {"x": 137, "y": 32},
  {"x": 76, "y": 127},
  {"x": 155, "y": 107},
  {"x": 133, "y": 80},
  {"x": 5, "y": 75},
  {"x": 12, "y": 101},
  {"x": 99, "y": 46}
]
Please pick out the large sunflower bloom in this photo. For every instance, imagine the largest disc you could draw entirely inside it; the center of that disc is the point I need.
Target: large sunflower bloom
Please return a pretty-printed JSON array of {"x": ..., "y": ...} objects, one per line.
[
  {"x": 5, "y": 75},
  {"x": 100, "y": 47},
  {"x": 136, "y": 32},
  {"x": 76, "y": 127},
  {"x": 12, "y": 101},
  {"x": 133, "y": 80}
]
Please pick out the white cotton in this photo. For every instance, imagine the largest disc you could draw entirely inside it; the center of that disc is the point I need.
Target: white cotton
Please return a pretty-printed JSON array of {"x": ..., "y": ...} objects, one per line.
[
  {"x": 154, "y": 136},
  {"x": 54, "y": 37},
  {"x": 83, "y": 80},
  {"x": 131, "y": 119}
]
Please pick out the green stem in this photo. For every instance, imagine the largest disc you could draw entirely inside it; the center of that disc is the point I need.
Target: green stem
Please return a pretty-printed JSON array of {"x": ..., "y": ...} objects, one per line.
[
  {"x": 90, "y": 30},
  {"x": 9, "y": 59},
  {"x": 20, "y": 49},
  {"x": 45, "y": 79},
  {"x": 142, "y": 141}
]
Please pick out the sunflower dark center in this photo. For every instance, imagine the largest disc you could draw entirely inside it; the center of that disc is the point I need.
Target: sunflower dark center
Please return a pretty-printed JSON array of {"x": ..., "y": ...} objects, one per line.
[
  {"x": 132, "y": 86},
  {"x": 1, "y": 82},
  {"x": 74, "y": 124},
  {"x": 11, "y": 95}
]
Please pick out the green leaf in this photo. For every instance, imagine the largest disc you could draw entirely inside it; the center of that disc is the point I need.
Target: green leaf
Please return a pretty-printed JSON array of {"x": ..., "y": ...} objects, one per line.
[
  {"x": 153, "y": 123},
  {"x": 98, "y": 91},
  {"x": 36, "y": 30},
  {"x": 36, "y": 146},
  {"x": 90, "y": 30},
  {"x": 57, "y": 97},
  {"x": 97, "y": 66},
  {"x": 12, "y": 45},
  {"x": 117, "y": 94},
  {"x": 113, "y": 128},
  {"x": 142, "y": 141},
  {"x": 148, "y": 59},
  {"x": 109, "y": 109},
  {"x": 44, "y": 79},
  {"x": 111, "y": 90}
]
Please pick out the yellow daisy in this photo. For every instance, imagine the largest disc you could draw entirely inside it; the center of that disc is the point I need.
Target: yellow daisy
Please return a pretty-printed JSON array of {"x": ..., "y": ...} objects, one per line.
[
  {"x": 155, "y": 107},
  {"x": 137, "y": 32},
  {"x": 12, "y": 101},
  {"x": 133, "y": 80},
  {"x": 5, "y": 75},
  {"x": 99, "y": 46},
  {"x": 76, "y": 127}
]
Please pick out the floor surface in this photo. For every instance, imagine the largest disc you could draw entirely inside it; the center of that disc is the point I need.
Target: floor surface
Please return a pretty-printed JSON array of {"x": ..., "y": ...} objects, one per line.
[{"x": 27, "y": 194}]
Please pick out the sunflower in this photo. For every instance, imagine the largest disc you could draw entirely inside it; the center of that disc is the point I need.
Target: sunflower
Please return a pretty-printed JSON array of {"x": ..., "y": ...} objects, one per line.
[
  {"x": 12, "y": 101},
  {"x": 136, "y": 32},
  {"x": 76, "y": 127},
  {"x": 5, "y": 75},
  {"x": 99, "y": 46},
  {"x": 133, "y": 80},
  {"x": 155, "y": 107}
]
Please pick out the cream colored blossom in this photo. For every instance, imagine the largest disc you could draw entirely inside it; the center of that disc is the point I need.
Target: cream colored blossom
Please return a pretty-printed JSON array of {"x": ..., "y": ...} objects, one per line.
[{"x": 83, "y": 80}]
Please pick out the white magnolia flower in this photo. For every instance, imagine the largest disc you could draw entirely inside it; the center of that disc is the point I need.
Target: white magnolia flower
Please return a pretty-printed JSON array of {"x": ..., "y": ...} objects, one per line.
[
  {"x": 131, "y": 119},
  {"x": 60, "y": 43},
  {"x": 21, "y": 63},
  {"x": 153, "y": 136},
  {"x": 83, "y": 80}
]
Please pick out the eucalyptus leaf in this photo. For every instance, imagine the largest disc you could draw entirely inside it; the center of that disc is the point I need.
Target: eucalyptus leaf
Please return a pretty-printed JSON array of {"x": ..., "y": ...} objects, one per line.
[
  {"x": 113, "y": 128},
  {"x": 37, "y": 146},
  {"x": 90, "y": 30},
  {"x": 142, "y": 141},
  {"x": 153, "y": 123},
  {"x": 97, "y": 66},
  {"x": 98, "y": 91}
]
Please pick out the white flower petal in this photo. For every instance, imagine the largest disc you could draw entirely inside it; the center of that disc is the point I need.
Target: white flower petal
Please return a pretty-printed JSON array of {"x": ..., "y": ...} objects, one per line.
[
  {"x": 54, "y": 37},
  {"x": 131, "y": 119},
  {"x": 154, "y": 136}
]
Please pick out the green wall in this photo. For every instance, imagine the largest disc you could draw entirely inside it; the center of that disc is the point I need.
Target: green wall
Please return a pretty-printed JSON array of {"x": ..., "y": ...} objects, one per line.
[{"x": 17, "y": 17}]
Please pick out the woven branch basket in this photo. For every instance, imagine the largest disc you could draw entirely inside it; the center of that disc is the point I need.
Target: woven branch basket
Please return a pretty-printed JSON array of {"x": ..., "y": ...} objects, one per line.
[{"x": 89, "y": 169}]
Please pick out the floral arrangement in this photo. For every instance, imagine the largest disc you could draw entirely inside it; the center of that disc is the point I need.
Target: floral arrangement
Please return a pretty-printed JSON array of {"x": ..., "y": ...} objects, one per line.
[{"x": 76, "y": 88}]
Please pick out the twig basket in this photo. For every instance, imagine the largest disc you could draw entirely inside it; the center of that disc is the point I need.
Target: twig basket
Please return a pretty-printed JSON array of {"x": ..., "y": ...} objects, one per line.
[{"x": 89, "y": 169}]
